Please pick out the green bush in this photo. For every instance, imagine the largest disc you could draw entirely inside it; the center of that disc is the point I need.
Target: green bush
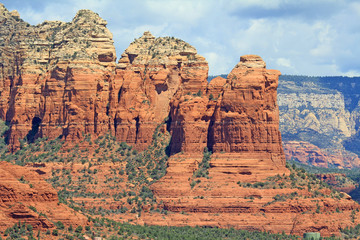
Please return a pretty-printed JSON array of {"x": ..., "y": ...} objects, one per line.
[
  {"x": 79, "y": 229},
  {"x": 59, "y": 225},
  {"x": 55, "y": 232}
]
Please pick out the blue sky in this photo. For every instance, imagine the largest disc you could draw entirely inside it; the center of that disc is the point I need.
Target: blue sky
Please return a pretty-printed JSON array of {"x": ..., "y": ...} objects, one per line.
[{"x": 305, "y": 37}]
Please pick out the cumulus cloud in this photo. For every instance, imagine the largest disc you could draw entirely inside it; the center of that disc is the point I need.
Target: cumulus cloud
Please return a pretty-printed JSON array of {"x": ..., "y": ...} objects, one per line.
[
  {"x": 284, "y": 62},
  {"x": 297, "y": 37}
]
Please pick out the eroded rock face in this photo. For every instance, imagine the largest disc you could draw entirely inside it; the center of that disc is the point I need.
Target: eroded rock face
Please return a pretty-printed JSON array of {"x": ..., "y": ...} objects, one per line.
[
  {"x": 322, "y": 112},
  {"x": 243, "y": 117},
  {"x": 239, "y": 122},
  {"x": 55, "y": 76},
  {"x": 246, "y": 118},
  {"x": 24, "y": 194},
  {"x": 149, "y": 73},
  {"x": 338, "y": 181},
  {"x": 310, "y": 154},
  {"x": 62, "y": 80}
]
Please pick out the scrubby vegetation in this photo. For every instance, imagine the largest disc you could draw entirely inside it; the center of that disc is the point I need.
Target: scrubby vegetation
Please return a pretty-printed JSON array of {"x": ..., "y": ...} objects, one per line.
[
  {"x": 127, "y": 231},
  {"x": 204, "y": 165},
  {"x": 20, "y": 230},
  {"x": 351, "y": 176},
  {"x": 298, "y": 179},
  {"x": 109, "y": 229},
  {"x": 351, "y": 233},
  {"x": 103, "y": 170},
  {"x": 99, "y": 170}
]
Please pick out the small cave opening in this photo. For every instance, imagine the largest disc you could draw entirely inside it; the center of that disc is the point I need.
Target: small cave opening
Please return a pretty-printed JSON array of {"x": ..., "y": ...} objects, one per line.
[
  {"x": 33, "y": 133},
  {"x": 107, "y": 109}
]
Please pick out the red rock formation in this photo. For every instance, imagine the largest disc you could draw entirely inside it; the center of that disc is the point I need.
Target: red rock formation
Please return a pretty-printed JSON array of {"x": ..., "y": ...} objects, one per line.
[
  {"x": 62, "y": 80},
  {"x": 241, "y": 126},
  {"x": 24, "y": 195},
  {"x": 338, "y": 181},
  {"x": 244, "y": 118},
  {"x": 219, "y": 201},
  {"x": 148, "y": 75},
  {"x": 55, "y": 77},
  {"x": 307, "y": 153}
]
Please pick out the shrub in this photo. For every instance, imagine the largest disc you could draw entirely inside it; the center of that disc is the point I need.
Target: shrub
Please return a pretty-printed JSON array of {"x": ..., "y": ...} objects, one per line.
[
  {"x": 79, "y": 229},
  {"x": 59, "y": 225},
  {"x": 55, "y": 232}
]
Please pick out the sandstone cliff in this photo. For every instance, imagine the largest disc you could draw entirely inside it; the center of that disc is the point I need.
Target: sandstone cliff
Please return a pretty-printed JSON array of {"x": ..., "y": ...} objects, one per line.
[
  {"x": 55, "y": 76},
  {"x": 149, "y": 73},
  {"x": 61, "y": 80},
  {"x": 26, "y": 197},
  {"x": 307, "y": 153}
]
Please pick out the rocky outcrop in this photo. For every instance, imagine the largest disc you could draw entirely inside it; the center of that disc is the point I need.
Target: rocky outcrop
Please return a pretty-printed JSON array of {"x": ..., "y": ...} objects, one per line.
[
  {"x": 242, "y": 118},
  {"x": 241, "y": 127},
  {"x": 149, "y": 73},
  {"x": 61, "y": 80},
  {"x": 307, "y": 153},
  {"x": 246, "y": 118},
  {"x": 26, "y": 197},
  {"x": 55, "y": 76},
  {"x": 338, "y": 181},
  {"x": 222, "y": 198},
  {"x": 311, "y": 107}
]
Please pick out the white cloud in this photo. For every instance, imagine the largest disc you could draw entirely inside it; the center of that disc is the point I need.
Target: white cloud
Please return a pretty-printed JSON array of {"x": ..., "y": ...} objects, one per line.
[
  {"x": 325, "y": 37},
  {"x": 218, "y": 63},
  {"x": 284, "y": 62}
]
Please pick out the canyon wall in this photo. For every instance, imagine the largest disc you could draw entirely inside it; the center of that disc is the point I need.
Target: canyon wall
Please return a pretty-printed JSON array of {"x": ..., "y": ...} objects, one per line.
[
  {"x": 60, "y": 80},
  {"x": 321, "y": 113}
]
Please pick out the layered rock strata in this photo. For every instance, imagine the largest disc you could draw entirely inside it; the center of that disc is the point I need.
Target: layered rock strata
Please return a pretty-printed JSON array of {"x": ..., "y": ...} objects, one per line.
[
  {"x": 149, "y": 73},
  {"x": 239, "y": 122},
  {"x": 240, "y": 116},
  {"x": 61, "y": 80},
  {"x": 26, "y": 197},
  {"x": 55, "y": 76},
  {"x": 307, "y": 153},
  {"x": 219, "y": 201}
]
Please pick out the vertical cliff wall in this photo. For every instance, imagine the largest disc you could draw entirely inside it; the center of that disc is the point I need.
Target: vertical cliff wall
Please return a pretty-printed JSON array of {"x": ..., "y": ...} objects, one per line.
[
  {"x": 149, "y": 73},
  {"x": 55, "y": 76},
  {"x": 61, "y": 80}
]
